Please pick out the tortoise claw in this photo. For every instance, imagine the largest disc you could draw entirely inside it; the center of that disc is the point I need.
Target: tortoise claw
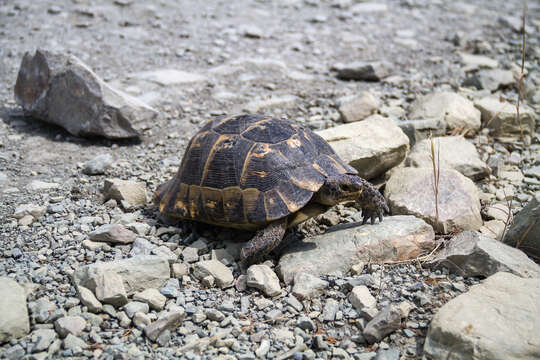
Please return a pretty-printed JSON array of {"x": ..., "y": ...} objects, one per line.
[{"x": 373, "y": 219}]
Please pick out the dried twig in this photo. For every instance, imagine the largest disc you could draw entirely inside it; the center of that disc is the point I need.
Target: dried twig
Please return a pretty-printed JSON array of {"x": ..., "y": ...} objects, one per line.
[
  {"x": 436, "y": 175},
  {"x": 522, "y": 74},
  {"x": 508, "y": 216}
]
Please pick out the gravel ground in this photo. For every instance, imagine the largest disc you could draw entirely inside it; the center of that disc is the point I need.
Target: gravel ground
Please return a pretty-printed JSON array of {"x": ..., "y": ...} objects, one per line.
[{"x": 248, "y": 52}]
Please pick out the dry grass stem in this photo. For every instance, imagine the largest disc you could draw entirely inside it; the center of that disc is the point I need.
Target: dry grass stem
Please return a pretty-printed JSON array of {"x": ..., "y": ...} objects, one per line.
[
  {"x": 521, "y": 75},
  {"x": 508, "y": 215},
  {"x": 436, "y": 175}
]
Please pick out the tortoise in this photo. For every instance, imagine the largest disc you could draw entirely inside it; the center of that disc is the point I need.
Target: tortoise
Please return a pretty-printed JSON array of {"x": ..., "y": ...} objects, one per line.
[{"x": 263, "y": 174}]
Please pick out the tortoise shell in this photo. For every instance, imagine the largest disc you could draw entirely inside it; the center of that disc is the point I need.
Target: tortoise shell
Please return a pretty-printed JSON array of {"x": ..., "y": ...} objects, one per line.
[{"x": 245, "y": 171}]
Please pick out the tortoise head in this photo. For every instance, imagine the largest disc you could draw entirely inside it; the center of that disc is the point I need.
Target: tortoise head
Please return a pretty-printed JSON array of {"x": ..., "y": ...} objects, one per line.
[{"x": 339, "y": 188}]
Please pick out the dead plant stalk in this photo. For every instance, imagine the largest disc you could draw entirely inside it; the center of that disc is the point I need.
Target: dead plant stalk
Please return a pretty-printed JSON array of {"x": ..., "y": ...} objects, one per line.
[{"x": 436, "y": 175}]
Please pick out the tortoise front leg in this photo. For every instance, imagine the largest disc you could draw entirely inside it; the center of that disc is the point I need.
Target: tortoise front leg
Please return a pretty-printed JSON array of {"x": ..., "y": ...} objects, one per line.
[
  {"x": 264, "y": 241},
  {"x": 372, "y": 202}
]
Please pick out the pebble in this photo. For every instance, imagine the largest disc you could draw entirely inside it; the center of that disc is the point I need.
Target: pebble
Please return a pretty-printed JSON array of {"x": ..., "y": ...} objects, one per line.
[
  {"x": 98, "y": 165},
  {"x": 73, "y": 325}
]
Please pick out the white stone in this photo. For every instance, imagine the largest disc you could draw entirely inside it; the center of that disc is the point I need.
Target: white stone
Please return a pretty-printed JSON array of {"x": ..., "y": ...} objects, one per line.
[
  {"x": 263, "y": 278},
  {"x": 356, "y": 108},
  {"x": 222, "y": 274},
  {"x": 501, "y": 117},
  {"x": 14, "y": 322},
  {"x": 152, "y": 297},
  {"x": 38, "y": 185},
  {"x": 361, "y": 298}
]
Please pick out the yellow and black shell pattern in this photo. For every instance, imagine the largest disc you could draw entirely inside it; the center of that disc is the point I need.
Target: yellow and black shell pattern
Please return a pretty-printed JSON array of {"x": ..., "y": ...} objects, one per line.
[{"x": 244, "y": 171}]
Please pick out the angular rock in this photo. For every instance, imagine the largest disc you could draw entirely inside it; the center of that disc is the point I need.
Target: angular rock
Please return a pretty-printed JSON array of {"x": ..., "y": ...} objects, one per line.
[
  {"x": 41, "y": 309},
  {"x": 109, "y": 288},
  {"x": 263, "y": 278},
  {"x": 170, "y": 321},
  {"x": 113, "y": 234},
  {"x": 97, "y": 165},
  {"x": 472, "y": 254},
  {"x": 165, "y": 253},
  {"x": 496, "y": 320},
  {"x": 42, "y": 339},
  {"x": 37, "y": 185},
  {"x": 363, "y": 71},
  {"x": 73, "y": 325},
  {"x": 141, "y": 320},
  {"x": 133, "y": 307},
  {"x": 371, "y": 146},
  {"x": 62, "y": 90},
  {"x": 490, "y": 79},
  {"x": 138, "y": 273},
  {"x": 409, "y": 191},
  {"x": 453, "y": 152},
  {"x": 455, "y": 110},
  {"x": 359, "y": 107},
  {"x": 152, "y": 297},
  {"x": 222, "y": 274},
  {"x": 474, "y": 62},
  {"x": 417, "y": 130},
  {"x": 14, "y": 322},
  {"x": 524, "y": 233},
  {"x": 89, "y": 300},
  {"x": 132, "y": 192},
  {"x": 74, "y": 343},
  {"x": 501, "y": 117},
  {"x": 361, "y": 298},
  {"x": 385, "y": 322},
  {"x": 307, "y": 285},
  {"x": 33, "y": 210},
  {"x": 396, "y": 238},
  {"x": 493, "y": 229}
]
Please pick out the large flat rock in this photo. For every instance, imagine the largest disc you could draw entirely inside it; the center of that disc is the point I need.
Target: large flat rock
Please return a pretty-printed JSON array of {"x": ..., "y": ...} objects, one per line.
[
  {"x": 62, "y": 90},
  {"x": 455, "y": 152},
  {"x": 524, "y": 232},
  {"x": 14, "y": 322},
  {"x": 496, "y": 320},
  {"x": 396, "y": 238},
  {"x": 501, "y": 117},
  {"x": 371, "y": 146},
  {"x": 410, "y": 191},
  {"x": 138, "y": 273}
]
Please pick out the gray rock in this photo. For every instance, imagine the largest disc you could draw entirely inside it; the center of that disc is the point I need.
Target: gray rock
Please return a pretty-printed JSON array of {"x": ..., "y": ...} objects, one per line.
[
  {"x": 113, "y": 234},
  {"x": 89, "y": 300},
  {"x": 263, "y": 348},
  {"x": 36, "y": 211},
  {"x": 305, "y": 323},
  {"x": 138, "y": 273},
  {"x": 165, "y": 253},
  {"x": 178, "y": 270},
  {"x": 37, "y": 185},
  {"x": 493, "y": 229},
  {"x": 410, "y": 191},
  {"x": 453, "y": 152},
  {"x": 359, "y": 107},
  {"x": 417, "y": 130},
  {"x": 109, "y": 288},
  {"x": 387, "y": 354},
  {"x": 475, "y": 62},
  {"x": 42, "y": 339},
  {"x": 62, "y": 90},
  {"x": 41, "y": 309},
  {"x": 98, "y": 164},
  {"x": 141, "y": 246},
  {"x": 285, "y": 101},
  {"x": 130, "y": 192},
  {"x": 455, "y": 110},
  {"x": 473, "y": 254},
  {"x": 14, "y": 322},
  {"x": 361, "y": 298},
  {"x": 222, "y": 274},
  {"x": 168, "y": 77},
  {"x": 152, "y": 297},
  {"x": 490, "y": 79},
  {"x": 387, "y": 321},
  {"x": 73, "y": 325},
  {"x": 306, "y": 285},
  {"x": 363, "y": 71},
  {"x": 133, "y": 307},
  {"x": 330, "y": 309},
  {"x": 263, "y": 278},
  {"x": 497, "y": 319},
  {"x": 141, "y": 320},
  {"x": 524, "y": 233},
  {"x": 501, "y": 117},
  {"x": 74, "y": 343},
  {"x": 170, "y": 321},
  {"x": 371, "y": 146},
  {"x": 396, "y": 238},
  {"x": 214, "y": 314}
]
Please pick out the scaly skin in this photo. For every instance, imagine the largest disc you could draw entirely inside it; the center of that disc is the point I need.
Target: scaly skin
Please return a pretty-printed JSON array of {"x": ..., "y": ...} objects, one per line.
[
  {"x": 372, "y": 202},
  {"x": 264, "y": 241}
]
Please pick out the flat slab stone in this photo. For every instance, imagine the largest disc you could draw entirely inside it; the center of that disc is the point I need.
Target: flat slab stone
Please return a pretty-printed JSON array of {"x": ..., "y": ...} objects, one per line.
[
  {"x": 371, "y": 146},
  {"x": 501, "y": 117},
  {"x": 409, "y": 191},
  {"x": 496, "y": 320},
  {"x": 396, "y": 238},
  {"x": 168, "y": 77},
  {"x": 473, "y": 254},
  {"x": 455, "y": 152},
  {"x": 138, "y": 273}
]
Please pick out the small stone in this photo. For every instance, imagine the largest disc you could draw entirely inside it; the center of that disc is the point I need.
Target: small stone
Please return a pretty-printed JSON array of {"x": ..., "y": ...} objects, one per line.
[
  {"x": 208, "y": 281},
  {"x": 152, "y": 297},
  {"x": 359, "y": 107},
  {"x": 35, "y": 211},
  {"x": 133, "y": 193},
  {"x": 141, "y": 320},
  {"x": 165, "y": 253},
  {"x": 26, "y": 220},
  {"x": 113, "y": 234},
  {"x": 363, "y": 71},
  {"x": 42, "y": 309},
  {"x": 297, "y": 305},
  {"x": 89, "y": 300},
  {"x": 37, "y": 185},
  {"x": 98, "y": 164},
  {"x": 14, "y": 321},
  {"x": 387, "y": 321},
  {"x": 125, "y": 321},
  {"x": 263, "y": 348},
  {"x": 360, "y": 298},
  {"x": 357, "y": 269},
  {"x": 42, "y": 339},
  {"x": 220, "y": 272},
  {"x": 133, "y": 307},
  {"x": 263, "y": 278},
  {"x": 179, "y": 270},
  {"x": 405, "y": 308},
  {"x": 305, "y": 323},
  {"x": 74, "y": 343},
  {"x": 73, "y": 325},
  {"x": 330, "y": 309},
  {"x": 169, "y": 321},
  {"x": 190, "y": 254},
  {"x": 110, "y": 288},
  {"x": 141, "y": 246},
  {"x": 474, "y": 62},
  {"x": 214, "y": 315}
]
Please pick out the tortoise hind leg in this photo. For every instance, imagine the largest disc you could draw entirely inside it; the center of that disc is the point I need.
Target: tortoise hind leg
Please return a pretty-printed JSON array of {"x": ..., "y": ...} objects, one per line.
[{"x": 264, "y": 241}]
